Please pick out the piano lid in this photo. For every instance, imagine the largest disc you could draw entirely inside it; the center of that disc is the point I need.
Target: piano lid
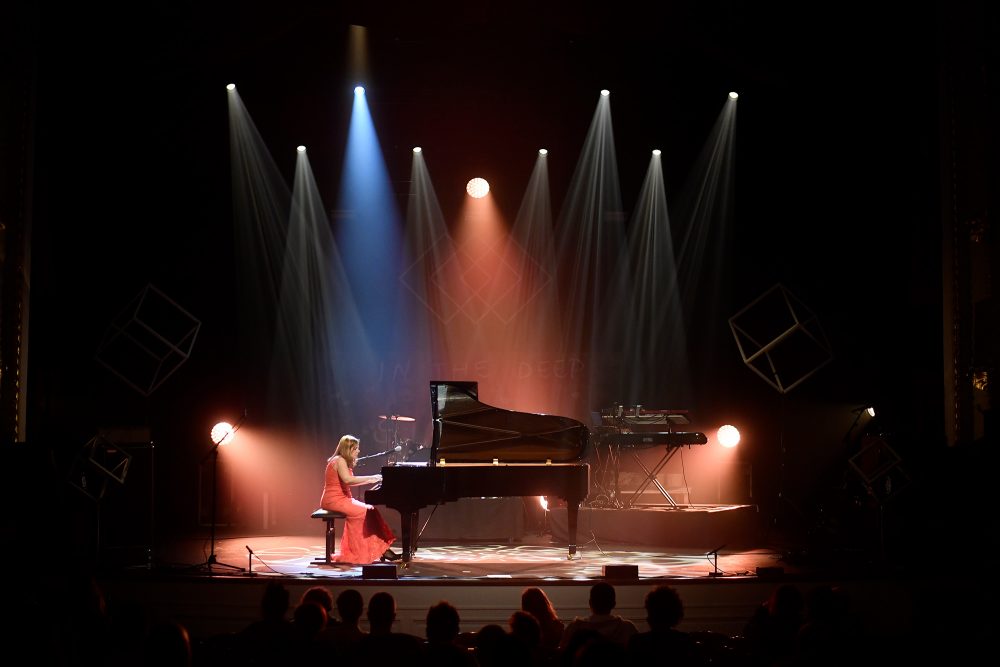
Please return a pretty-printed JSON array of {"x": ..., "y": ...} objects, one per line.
[{"x": 469, "y": 431}]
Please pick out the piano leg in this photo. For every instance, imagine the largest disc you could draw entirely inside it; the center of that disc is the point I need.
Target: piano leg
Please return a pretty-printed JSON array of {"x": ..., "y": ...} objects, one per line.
[
  {"x": 407, "y": 522},
  {"x": 572, "y": 510}
]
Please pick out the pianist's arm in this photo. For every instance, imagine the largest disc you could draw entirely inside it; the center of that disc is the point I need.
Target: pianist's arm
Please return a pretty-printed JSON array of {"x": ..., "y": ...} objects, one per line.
[{"x": 349, "y": 478}]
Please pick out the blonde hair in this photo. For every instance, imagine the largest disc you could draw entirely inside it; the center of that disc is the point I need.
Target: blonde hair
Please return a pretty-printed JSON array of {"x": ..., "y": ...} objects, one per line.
[{"x": 344, "y": 448}]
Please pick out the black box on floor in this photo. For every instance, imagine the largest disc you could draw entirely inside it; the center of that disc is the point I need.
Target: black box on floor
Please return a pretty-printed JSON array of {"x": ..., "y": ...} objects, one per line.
[{"x": 621, "y": 571}]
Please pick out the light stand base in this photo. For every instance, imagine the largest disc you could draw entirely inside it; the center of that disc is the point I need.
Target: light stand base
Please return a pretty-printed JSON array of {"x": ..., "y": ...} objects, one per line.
[{"x": 213, "y": 562}]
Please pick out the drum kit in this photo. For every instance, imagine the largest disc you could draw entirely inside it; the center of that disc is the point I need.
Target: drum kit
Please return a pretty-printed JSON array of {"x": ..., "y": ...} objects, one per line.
[{"x": 399, "y": 450}]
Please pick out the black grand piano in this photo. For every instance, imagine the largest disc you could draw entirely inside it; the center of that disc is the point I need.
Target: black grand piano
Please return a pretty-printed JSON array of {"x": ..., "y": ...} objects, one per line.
[{"x": 480, "y": 451}]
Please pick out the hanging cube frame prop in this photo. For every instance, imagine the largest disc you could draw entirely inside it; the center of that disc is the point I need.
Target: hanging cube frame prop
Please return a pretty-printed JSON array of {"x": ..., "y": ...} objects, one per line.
[
  {"x": 780, "y": 339},
  {"x": 879, "y": 467},
  {"x": 148, "y": 340},
  {"x": 99, "y": 461}
]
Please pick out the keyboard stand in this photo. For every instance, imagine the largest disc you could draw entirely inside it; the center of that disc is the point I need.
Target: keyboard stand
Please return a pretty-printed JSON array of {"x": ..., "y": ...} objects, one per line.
[{"x": 651, "y": 478}]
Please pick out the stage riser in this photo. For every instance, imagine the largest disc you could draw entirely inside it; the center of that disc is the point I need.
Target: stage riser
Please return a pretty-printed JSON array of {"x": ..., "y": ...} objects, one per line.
[{"x": 689, "y": 528}]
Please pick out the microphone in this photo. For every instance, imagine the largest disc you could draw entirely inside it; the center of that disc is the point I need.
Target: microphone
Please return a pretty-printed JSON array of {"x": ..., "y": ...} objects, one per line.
[
  {"x": 397, "y": 448},
  {"x": 249, "y": 549}
]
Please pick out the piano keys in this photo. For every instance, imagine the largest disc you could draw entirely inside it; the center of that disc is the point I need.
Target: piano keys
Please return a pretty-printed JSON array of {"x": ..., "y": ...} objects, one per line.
[{"x": 479, "y": 450}]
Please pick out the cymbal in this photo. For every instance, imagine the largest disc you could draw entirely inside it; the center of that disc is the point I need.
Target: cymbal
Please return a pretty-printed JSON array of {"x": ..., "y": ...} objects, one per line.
[{"x": 397, "y": 418}]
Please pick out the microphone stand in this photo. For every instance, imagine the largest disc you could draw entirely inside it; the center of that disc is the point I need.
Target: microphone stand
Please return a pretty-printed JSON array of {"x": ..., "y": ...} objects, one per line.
[
  {"x": 715, "y": 561},
  {"x": 397, "y": 448},
  {"x": 214, "y": 452},
  {"x": 250, "y": 556}
]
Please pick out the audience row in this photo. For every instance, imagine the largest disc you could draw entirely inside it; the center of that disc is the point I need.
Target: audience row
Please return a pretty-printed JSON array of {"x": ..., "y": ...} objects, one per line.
[{"x": 788, "y": 629}]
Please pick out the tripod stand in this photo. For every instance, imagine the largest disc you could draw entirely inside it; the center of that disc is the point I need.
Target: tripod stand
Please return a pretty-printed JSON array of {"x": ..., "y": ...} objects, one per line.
[{"x": 212, "y": 561}]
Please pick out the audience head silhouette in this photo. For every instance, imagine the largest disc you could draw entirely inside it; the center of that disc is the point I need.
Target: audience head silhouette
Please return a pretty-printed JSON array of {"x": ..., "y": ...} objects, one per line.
[
  {"x": 442, "y": 622},
  {"x": 537, "y": 603},
  {"x": 525, "y": 627},
  {"x": 664, "y": 608},
  {"x": 350, "y": 605},
  {"x": 310, "y": 619},
  {"x": 381, "y": 612},
  {"x": 602, "y": 598},
  {"x": 275, "y": 601},
  {"x": 319, "y": 595}
]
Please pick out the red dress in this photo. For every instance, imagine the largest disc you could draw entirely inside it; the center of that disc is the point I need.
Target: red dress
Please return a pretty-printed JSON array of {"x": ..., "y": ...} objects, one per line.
[{"x": 366, "y": 534}]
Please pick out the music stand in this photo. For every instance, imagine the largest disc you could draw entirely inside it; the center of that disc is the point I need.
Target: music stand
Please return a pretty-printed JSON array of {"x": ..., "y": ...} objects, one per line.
[{"x": 212, "y": 561}]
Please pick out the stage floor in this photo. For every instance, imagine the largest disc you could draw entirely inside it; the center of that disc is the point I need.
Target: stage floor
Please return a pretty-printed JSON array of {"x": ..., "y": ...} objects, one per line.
[
  {"x": 536, "y": 557},
  {"x": 214, "y": 586}
]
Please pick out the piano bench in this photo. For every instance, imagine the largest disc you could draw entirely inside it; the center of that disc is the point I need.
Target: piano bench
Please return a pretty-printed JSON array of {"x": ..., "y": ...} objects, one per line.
[{"x": 330, "y": 517}]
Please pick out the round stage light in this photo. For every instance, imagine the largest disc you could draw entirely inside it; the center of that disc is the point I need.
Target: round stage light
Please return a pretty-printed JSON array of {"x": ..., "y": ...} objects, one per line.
[
  {"x": 301, "y": 149},
  {"x": 605, "y": 92},
  {"x": 231, "y": 86},
  {"x": 417, "y": 149},
  {"x": 477, "y": 188},
  {"x": 223, "y": 433},
  {"x": 728, "y": 436},
  {"x": 359, "y": 90},
  {"x": 543, "y": 151},
  {"x": 733, "y": 95},
  {"x": 656, "y": 152}
]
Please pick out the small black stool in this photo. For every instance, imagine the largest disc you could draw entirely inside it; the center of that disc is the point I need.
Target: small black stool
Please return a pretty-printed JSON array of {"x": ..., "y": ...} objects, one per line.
[{"x": 330, "y": 517}]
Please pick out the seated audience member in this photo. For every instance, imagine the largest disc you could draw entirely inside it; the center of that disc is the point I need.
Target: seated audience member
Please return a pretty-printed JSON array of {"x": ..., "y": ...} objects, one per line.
[
  {"x": 268, "y": 638},
  {"x": 441, "y": 648},
  {"x": 525, "y": 629},
  {"x": 381, "y": 645},
  {"x": 321, "y": 595},
  {"x": 495, "y": 647},
  {"x": 664, "y": 642},
  {"x": 611, "y": 626},
  {"x": 346, "y": 634},
  {"x": 770, "y": 633},
  {"x": 537, "y": 603}
]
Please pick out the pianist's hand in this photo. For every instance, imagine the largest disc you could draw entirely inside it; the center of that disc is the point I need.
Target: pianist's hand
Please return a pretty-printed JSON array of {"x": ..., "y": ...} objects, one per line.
[{"x": 376, "y": 479}]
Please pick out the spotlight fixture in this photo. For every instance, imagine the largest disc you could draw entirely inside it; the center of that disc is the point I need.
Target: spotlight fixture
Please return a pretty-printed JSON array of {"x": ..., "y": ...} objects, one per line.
[
  {"x": 223, "y": 433},
  {"x": 417, "y": 149},
  {"x": 543, "y": 151},
  {"x": 605, "y": 92},
  {"x": 231, "y": 87},
  {"x": 477, "y": 188},
  {"x": 656, "y": 152},
  {"x": 866, "y": 408},
  {"x": 733, "y": 95},
  {"x": 359, "y": 90},
  {"x": 729, "y": 436},
  {"x": 301, "y": 149}
]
